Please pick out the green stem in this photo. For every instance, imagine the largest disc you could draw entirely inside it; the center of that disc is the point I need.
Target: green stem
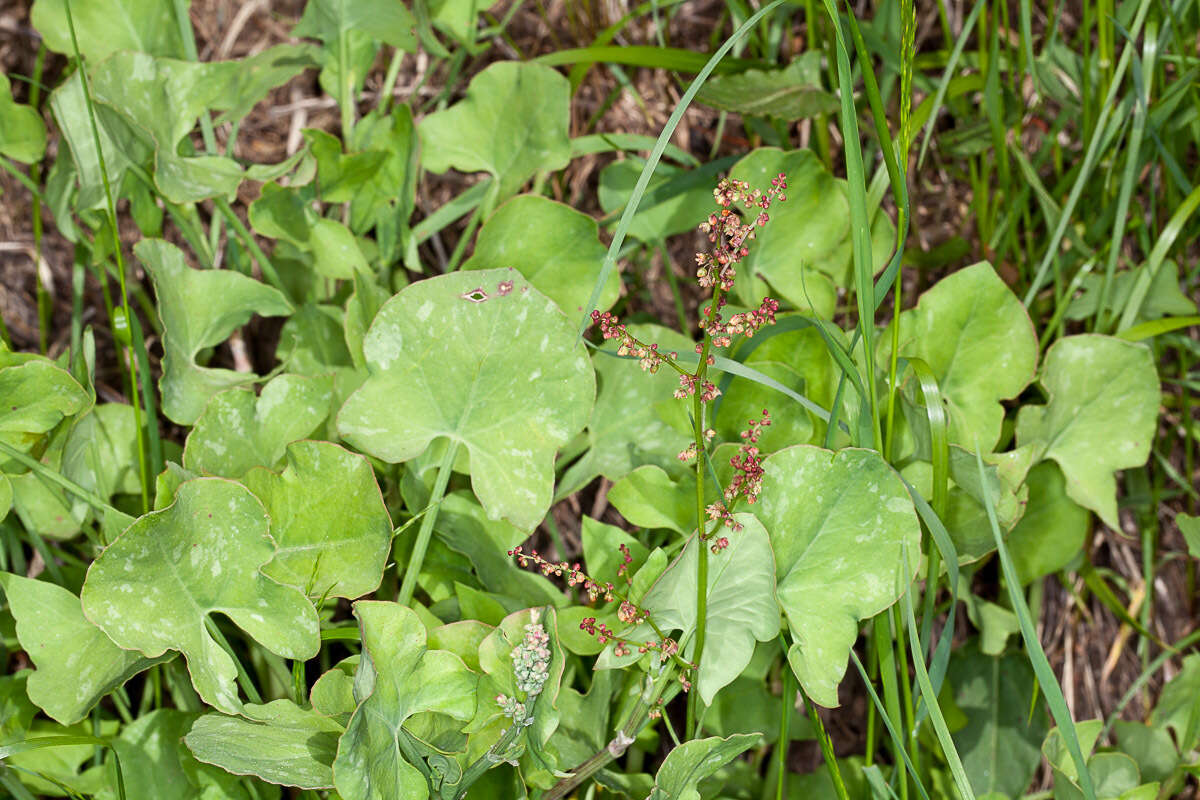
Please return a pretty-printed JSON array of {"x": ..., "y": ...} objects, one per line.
[
  {"x": 409, "y": 585},
  {"x": 97, "y": 502},
  {"x": 786, "y": 703},
  {"x": 830, "y": 757}
]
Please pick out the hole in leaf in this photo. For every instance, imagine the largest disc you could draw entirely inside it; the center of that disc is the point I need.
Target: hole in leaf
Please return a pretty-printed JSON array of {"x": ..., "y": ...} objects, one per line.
[{"x": 476, "y": 295}]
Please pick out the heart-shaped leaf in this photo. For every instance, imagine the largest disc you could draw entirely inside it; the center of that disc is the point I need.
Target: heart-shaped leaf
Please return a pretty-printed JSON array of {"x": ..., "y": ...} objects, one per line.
[
  {"x": 397, "y": 678},
  {"x": 199, "y": 309},
  {"x": 76, "y": 663},
  {"x": 691, "y": 762},
  {"x": 485, "y": 360},
  {"x": 278, "y": 742},
  {"x": 1103, "y": 409},
  {"x": 22, "y": 132},
  {"x": 512, "y": 123},
  {"x": 840, "y": 524},
  {"x": 35, "y": 395},
  {"x": 331, "y": 529},
  {"x": 556, "y": 247},
  {"x": 978, "y": 339},
  {"x": 238, "y": 431},
  {"x": 741, "y": 605},
  {"x": 154, "y": 587}
]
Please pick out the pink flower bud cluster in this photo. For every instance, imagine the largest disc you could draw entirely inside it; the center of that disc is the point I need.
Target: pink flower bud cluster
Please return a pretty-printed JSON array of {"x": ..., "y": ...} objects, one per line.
[
  {"x": 626, "y": 563},
  {"x": 744, "y": 323},
  {"x": 719, "y": 266},
  {"x": 748, "y": 471},
  {"x": 649, "y": 359},
  {"x": 688, "y": 384},
  {"x": 574, "y": 575}
]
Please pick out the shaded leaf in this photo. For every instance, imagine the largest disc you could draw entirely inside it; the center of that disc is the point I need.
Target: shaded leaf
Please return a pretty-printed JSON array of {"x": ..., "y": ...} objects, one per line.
[
  {"x": 1053, "y": 531},
  {"x": 199, "y": 309},
  {"x": 791, "y": 93},
  {"x": 692, "y": 762},
  {"x": 22, "y": 132}
]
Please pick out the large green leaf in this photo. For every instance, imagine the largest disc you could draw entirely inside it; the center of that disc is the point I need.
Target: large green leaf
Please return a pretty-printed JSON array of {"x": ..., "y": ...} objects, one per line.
[
  {"x": 840, "y": 524},
  {"x": 105, "y": 26},
  {"x": 692, "y": 762},
  {"x": 331, "y": 529},
  {"x": 76, "y": 663},
  {"x": 1103, "y": 409},
  {"x": 22, "y": 132},
  {"x": 1000, "y": 745},
  {"x": 626, "y": 429},
  {"x": 556, "y": 247},
  {"x": 278, "y": 742},
  {"x": 977, "y": 338},
  {"x": 100, "y": 453},
  {"x": 397, "y": 678},
  {"x": 741, "y": 605},
  {"x": 238, "y": 430},
  {"x": 512, "y": 123},
  {"x": 154, "y": 587},
  {"x": 199, "y": 309},
  {"x": 790, "y": 93},
  {"x": 329, "y": 20},
  {"x": 485, "y": 360}
]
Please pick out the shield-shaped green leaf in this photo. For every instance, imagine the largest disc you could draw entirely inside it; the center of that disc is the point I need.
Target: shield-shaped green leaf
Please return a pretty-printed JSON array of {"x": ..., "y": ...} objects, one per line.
[
  {"x": 76, "y": 663},
  {"x": 482, "y": 359},
  {"x": 105, "y": 26},
  {"x": 512, "y": 123},
  {"x": 978, "y": 339},
  {"x": 397, "y": 677},
  {"x": 22, "y": 132},
  {"x": 1101, "y": 417},
  {"x": 692, "y": 762},
  {"x": 155, "y": 586},
  {"x": 35, "y": 395},
  {"x": 199, "y": 309},
  {"x": 331, "y": 529},
  {"x": 791, "y": 93},
  {"x": 840, "y": 524}
]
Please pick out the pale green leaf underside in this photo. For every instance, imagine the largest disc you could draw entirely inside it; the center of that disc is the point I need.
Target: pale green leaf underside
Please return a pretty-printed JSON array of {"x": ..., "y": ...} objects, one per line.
[
  {"x": 692, "y": 762},
  {"x": 487, "y": 361},
  {"x": 153, "y": 587},
  {"x": 1104, "y": 396},
  {"x": 839, "y": 525}
]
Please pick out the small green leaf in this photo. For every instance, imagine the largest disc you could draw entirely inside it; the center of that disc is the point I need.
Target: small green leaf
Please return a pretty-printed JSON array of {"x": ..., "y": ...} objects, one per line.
[
  {"x": 331, "y": 529},
  {"x": 1053, "y": 531},
  {"x": 1189, "y": 526},
  {"x": 397, "y": 677},
  {"x": 35, "y": 395},
  {"x": 741, "y": 606},
  {"x": 1103, "y": 409},
  {"x": 76, "y": 663},
  {"x": 153, "y": 588},
  {"x": 199, "y": 309},
  {"x": 287, "y": 214},
  {"x": 278, "y": 742},
  {"x": 676, "y": 200},
  {"x": 1177, "y": 705},
  {"x": 791, "y": 93},
  {"x": 556, "y": 247},
  {"x": 387, "y": 22},
  {"x": 512, "y": 123},
  {"x": 978, "y": 339},
  {"x": 22, "y": 132},
  {"x": 692, "y": 762},
  {"x": 238, "y": 431},
  {"x": 482, "y": 359},
  {"x": 839, "y": 524},
  {"x": 649, "y": 498}
]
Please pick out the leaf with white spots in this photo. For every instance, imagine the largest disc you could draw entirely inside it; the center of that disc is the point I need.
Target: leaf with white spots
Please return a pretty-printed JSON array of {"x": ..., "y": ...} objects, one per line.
[
  {"x": 556, "y": 247},
  {"x": 331, "y": 529},
  {"x": 153, "y": 588},
  {"x": 839, "y": 524},
  {"x": 741, "y": 606},
  {"x": 482, "y": 359},
  {"x": 397, "y": 677},
  {"x": 238, "y": 430},
  {"x": 76, "y": 663},
  {"x": 978, "y": 339},
  {"x": 1104, "y": 396},
  {"x": 199, "y": 309}
]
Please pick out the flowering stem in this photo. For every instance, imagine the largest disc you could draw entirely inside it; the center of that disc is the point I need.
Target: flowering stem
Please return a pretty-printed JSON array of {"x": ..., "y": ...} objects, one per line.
[{"x": 415, "y": 559}]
